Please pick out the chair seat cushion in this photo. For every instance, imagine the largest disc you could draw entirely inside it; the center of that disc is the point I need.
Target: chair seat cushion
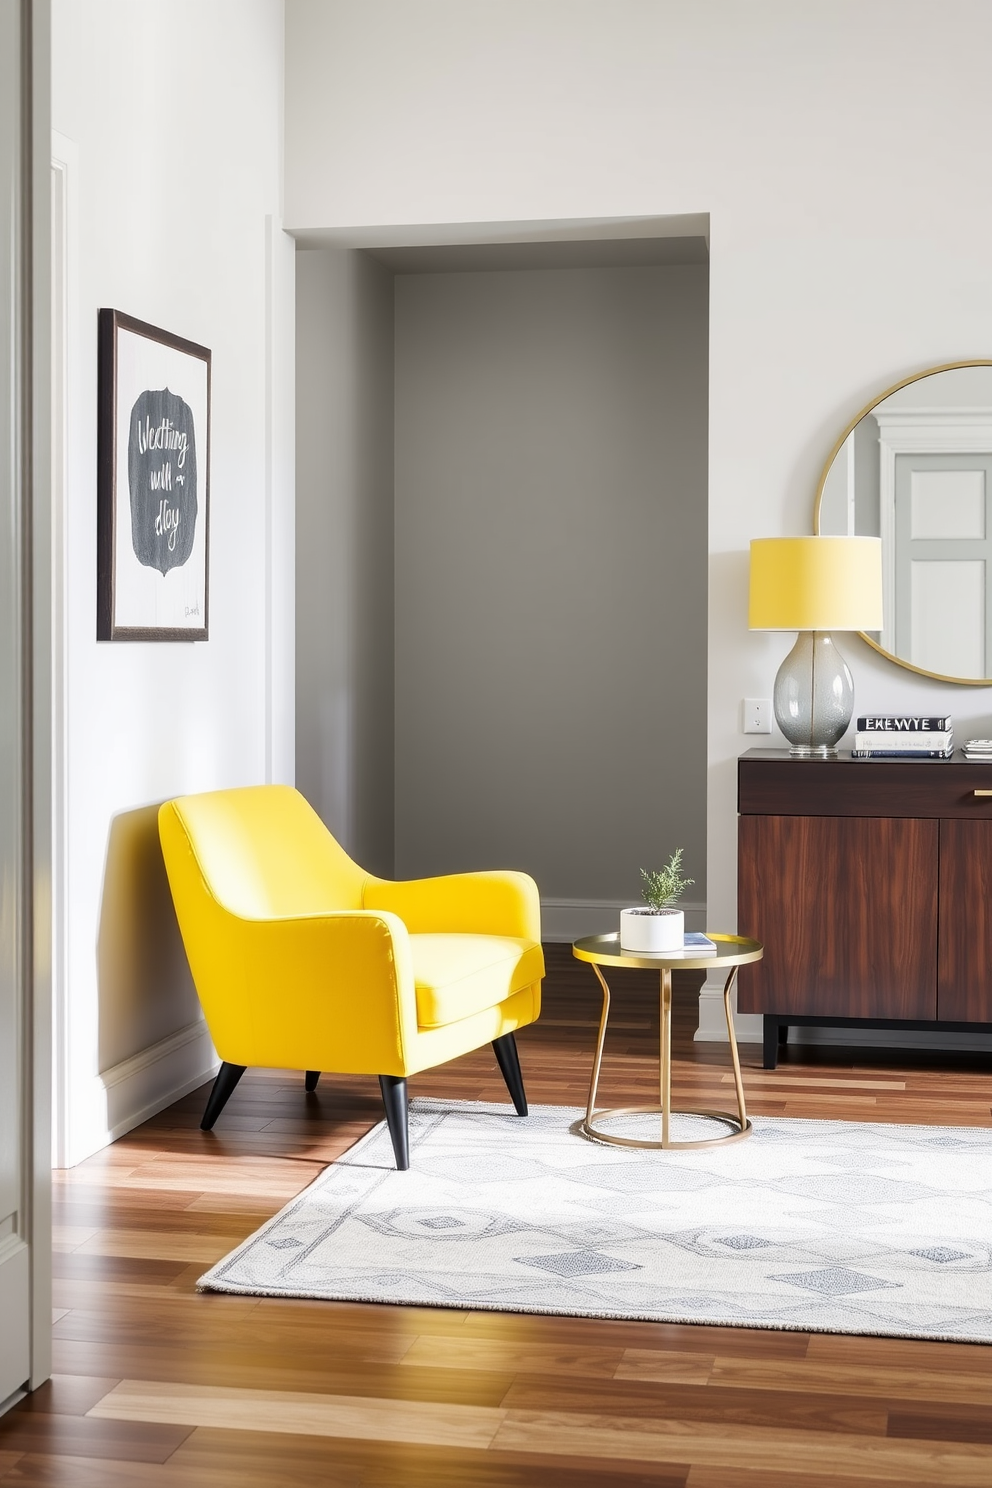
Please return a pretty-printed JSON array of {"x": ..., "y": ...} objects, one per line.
[{"x": 458, "y": 975}]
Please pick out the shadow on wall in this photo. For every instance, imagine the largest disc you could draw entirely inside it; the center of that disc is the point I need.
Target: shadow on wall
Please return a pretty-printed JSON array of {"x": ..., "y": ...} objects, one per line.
[{"x": 146, "y": 992}]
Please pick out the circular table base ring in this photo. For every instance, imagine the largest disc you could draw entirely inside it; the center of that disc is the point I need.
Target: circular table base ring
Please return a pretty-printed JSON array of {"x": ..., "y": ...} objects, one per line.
[{"x": 595, "y": 1134}]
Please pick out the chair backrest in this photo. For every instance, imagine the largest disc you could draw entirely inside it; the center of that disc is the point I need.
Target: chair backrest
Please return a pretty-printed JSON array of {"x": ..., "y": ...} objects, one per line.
[{"x": 264, "y": 853}]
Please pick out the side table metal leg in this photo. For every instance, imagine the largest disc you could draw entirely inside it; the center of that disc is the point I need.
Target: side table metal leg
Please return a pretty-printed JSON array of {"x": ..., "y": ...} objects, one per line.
[
  {"x": 666, "y": 1053},
  {"x": 604, "y": 1016},
  {"x": 738, "y": 1081}
]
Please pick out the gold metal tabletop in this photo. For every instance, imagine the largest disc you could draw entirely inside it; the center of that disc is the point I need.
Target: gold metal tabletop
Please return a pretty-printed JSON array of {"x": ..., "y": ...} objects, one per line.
[{"x": 605, "y": 950}]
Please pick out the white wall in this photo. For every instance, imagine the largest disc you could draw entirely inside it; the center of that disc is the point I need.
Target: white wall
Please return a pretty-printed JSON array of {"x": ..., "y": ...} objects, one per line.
[
  {"x": 841, "y": 150},
  {"x": 169, "y": 121},
  {"x": 344, "y": 561},
  {"x": 551, "y": 578}
]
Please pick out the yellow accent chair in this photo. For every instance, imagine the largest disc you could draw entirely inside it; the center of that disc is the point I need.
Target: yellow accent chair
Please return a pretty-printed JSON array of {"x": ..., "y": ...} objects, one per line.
[{"x": 302, "y": 960}]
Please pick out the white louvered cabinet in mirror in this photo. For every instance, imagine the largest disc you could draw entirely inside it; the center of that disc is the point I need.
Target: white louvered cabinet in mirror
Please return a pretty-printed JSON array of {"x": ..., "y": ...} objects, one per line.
[{"x": 915, "y": 469}]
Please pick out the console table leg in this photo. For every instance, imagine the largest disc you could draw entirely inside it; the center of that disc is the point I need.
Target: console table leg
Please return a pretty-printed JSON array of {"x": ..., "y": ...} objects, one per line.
[
  {"x": 666, "y": 1053},
  {"x": 769, "y": 1030}
]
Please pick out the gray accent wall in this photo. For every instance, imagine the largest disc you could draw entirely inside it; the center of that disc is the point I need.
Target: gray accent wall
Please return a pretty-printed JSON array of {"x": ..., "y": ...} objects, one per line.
[
  {"x": 551, "y": 562},
  {"x": 344, "y": 565}
]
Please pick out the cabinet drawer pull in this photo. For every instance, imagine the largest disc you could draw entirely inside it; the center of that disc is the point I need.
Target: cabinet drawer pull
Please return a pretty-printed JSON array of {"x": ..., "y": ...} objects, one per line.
[{"x": 982, "y": 793}]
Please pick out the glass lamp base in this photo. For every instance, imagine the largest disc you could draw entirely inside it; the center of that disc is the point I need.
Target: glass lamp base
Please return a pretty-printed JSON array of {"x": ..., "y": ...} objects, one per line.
[
  {"x": 802, "y": 751},
  {"x": 814, "y": 696}
]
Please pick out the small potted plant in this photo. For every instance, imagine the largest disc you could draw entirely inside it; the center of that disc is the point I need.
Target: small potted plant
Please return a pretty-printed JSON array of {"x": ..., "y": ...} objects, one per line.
[{"x": 657, "y": 925}]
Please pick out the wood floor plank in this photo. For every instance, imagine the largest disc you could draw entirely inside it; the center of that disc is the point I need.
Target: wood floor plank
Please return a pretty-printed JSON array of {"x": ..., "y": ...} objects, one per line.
[
  {"x": 120, "y": 1438},
  {"x": 523, "y": 1470},
  {"x": 611, "y": 1332},
  {"x": 791, "y": 1080},
  {"x": 97, "y": 1205},
  {"x": 69, "y": 1237},
  {"x": 206, "y": 1219},
  {"x": 385, "y": 1465},
  {"x": 173, "y": 1245},
  {"x": 921, "y": 1354},
  {"x": 242, "y": 1204},
  {"x": 509, "y": 1357},
  {"x": 37, "y": 1470},
  {"x": 797, "y": 1477},
  {"x": 233, "y": 1366},
  {"x": 728, "y": 1446},
  {"x": 300, "y": 1414},
  {"x": 144, "y": 1270},
  {"x": 651, "y": 1400},
  {"x": 665, "y": 1366},
  {"x": 878, "y": 1381},
  {"x": 957, "y": 1424}
]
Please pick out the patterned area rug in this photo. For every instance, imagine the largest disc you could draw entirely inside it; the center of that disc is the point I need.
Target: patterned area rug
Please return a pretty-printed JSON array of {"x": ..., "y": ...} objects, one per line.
[{"x": 828, "y": 1226}]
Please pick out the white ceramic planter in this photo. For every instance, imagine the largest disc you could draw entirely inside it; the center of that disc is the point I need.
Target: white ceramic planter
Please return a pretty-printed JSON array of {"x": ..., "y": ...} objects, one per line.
[{"x": 652, "y": 931}]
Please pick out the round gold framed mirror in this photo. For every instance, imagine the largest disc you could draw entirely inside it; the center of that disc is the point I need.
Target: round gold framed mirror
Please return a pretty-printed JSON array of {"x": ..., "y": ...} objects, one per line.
[{"x": 915, "y": 469}]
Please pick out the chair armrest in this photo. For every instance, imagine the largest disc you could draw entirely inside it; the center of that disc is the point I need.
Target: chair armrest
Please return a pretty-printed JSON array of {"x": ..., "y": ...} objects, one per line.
[
  {"x": 323, "y": 991},
  {"x": 499, "y": 903}
]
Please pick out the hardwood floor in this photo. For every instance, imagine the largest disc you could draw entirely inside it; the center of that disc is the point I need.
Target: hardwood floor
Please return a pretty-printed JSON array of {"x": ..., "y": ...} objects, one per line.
[{"x": 159, "y": 1386}]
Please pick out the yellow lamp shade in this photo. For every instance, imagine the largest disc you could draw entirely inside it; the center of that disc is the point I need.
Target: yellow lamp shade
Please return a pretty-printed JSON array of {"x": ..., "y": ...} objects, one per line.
[{"x": 816, "y": 583}]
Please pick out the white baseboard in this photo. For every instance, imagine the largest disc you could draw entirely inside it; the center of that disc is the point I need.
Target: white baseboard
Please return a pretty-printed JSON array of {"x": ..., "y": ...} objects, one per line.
[
  {"x": 152, "y": 1079},
  {"x": 712, "y": 1023},
  {"x": 566, "y": 920}
]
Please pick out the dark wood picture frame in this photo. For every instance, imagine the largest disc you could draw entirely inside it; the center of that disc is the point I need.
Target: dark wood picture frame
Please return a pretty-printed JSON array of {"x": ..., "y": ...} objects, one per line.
[{"x": 133, "y": 588}]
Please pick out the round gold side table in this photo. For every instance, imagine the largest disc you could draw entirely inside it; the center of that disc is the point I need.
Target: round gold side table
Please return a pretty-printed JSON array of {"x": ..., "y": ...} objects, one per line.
[{"x": 605, "y": 950}]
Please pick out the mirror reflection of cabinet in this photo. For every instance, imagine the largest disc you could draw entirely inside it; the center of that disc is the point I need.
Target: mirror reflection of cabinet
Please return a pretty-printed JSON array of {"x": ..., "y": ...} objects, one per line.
[{"x": 916, "y": 470}]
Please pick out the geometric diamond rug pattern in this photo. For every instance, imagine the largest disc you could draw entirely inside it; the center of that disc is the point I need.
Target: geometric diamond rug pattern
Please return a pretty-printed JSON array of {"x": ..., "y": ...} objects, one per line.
[{"x": 822, "y": 1226}]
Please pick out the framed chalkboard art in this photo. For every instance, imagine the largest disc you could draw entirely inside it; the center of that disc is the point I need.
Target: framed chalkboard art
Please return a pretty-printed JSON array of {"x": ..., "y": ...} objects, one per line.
[{"x": 153, "y": 484}]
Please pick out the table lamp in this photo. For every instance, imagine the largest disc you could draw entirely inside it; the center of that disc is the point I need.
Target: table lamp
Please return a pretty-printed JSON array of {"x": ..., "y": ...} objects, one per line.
[{"x": 815, "y": 585}]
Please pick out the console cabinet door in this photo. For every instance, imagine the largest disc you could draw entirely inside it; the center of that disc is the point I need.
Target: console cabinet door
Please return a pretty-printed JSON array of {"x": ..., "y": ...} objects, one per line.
[
  {"x": 847, "y": 910},
  {"x": 964, "y": 948}
]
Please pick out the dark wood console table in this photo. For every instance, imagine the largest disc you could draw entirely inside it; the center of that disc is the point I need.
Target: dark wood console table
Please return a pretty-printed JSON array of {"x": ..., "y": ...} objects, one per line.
[{"x": 870, "y": 884}]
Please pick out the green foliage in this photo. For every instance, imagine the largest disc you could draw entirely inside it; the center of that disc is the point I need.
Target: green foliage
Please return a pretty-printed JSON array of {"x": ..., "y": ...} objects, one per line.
[{"x": 663, "y": 887}]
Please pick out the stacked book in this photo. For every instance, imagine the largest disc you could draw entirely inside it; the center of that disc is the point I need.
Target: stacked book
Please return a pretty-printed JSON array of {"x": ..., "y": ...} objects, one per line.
[
  {"x": 978, "y": 749},
  {"x": 694, "y": 944},
  {"x": 883, "y": 736}
]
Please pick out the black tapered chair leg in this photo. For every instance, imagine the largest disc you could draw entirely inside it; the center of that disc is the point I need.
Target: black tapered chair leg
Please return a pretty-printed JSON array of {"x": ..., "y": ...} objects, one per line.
[
  {"x": 394, "y": 1099},
  {"x": 310, "y": 1083},
  {"x": 223, "y": 1088},
  {"x": 505, "y": 1049}
]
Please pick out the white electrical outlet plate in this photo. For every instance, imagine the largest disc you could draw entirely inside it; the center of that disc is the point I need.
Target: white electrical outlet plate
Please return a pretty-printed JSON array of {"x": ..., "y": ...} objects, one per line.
[{"x": 757, "y": 715}]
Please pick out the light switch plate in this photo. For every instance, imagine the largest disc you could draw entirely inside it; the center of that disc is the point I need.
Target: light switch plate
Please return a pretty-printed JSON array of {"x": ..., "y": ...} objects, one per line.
[{"x": 757, "y": 715}]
